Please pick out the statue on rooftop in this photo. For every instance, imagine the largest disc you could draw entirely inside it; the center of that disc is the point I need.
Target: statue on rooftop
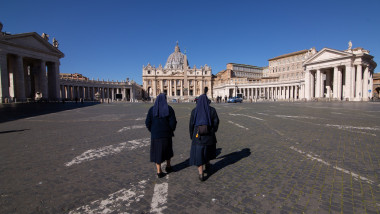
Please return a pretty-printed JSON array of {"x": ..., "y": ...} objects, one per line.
[
  {"x": 349, "y": 45},
  {"x": 45, "y": 36},
  {"x": 55, "y": 43}
]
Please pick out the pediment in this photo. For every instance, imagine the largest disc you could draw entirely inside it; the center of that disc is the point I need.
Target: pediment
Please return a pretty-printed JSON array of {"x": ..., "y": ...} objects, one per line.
[
  {"x": 327, "y": 54},
  {"x": 33, "y": 41}
]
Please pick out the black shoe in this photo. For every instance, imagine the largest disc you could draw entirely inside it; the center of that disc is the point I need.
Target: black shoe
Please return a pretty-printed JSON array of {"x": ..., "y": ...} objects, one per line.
[
  {"x": 201, "y": 177},
  {"x": 161, "y": 175},
  {"x": 168, "y": 169}
]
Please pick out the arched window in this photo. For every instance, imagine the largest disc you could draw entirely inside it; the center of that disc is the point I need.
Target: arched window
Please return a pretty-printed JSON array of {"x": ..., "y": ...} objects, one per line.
[{"x": 148, "y": 71}]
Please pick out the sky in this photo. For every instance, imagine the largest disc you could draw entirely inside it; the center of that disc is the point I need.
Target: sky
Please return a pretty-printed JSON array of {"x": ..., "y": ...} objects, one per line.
[{"x": 113, "y": 39}]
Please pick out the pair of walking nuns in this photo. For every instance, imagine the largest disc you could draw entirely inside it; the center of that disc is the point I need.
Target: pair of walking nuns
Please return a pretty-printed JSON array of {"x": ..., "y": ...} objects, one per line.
[
  {"x": 161, "y": 122},
  {"x": 204, "y": 123}
]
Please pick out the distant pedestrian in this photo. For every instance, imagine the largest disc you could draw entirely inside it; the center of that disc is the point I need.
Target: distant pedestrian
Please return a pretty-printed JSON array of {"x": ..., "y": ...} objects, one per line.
[
  {"x": 204, "y": 122},
  {"x": 161, "y": 122}
]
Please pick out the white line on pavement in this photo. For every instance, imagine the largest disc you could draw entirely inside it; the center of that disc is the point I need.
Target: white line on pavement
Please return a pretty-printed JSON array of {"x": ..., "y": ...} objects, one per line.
[
  {"x": 262, "y": 113},
  {"x": 238, "y": 125},
  {"x": 93, "y": 154},
  {"x": 354, "y": 175},
  {"x": 160, "y": 196},
  {"x": 353, "y": 127},
  {"x": 301, "y": 117},
  {"x": 140, "y": 118},
  {"x": 131, "y": 127},
  {"x": 116, "y": 202},
  {"x": 244, "y": 115}
]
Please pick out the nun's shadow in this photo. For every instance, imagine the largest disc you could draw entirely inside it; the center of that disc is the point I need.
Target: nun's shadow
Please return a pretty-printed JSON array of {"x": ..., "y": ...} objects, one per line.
[
  {"x": 184, "y": 164},
  {"x": 227, "y": 160}
]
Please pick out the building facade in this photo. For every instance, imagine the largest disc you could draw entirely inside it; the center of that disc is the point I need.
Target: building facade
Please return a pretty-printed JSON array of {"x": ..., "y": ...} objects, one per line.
[
  {"x": 77, "y": 87},
  {"x": 29, "y": 67},
  {"x": 340, "y": 75},
  {"x": 227, "y": 83},
  {"x": 176, "y": 79},
  {"x": 307, "y": 75}
]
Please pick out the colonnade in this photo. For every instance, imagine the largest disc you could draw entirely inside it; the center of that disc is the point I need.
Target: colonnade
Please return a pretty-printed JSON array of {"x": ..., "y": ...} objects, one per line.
[
  {"x": 349, "y": 82},
  {"x": 176, "y": 87},
  {"x": 98, "y": 90},
  {"x": 264, "y": 92},
  {"x": 24, "y": 78}
]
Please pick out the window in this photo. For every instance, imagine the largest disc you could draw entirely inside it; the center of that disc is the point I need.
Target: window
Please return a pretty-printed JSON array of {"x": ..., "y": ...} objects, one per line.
[
  {"x": 205, "y": 72},
  {"x": 148, "y": 71}
]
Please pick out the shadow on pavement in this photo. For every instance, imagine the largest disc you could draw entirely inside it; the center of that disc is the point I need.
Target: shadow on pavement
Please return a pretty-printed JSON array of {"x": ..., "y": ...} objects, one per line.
[
  {"x": 227, "y": 160},
  {"x": 15, "y": 111},
  {"x": 180, "y": 166},
  {"x": 10, "y": 131}
]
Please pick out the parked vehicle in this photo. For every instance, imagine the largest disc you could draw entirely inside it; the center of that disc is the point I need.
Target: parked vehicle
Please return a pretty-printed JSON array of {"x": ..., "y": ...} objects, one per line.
[
  {"x": 174, "y": 101},
  {"x": 235, "y": 100}
]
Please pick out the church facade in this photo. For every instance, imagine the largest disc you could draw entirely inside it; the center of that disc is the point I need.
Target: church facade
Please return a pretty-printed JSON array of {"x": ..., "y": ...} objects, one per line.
[{"x": 176, "y": 79}]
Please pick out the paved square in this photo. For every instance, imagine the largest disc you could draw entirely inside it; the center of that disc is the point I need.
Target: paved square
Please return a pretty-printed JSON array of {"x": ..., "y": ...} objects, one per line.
[{"x": 274, "y": 158}]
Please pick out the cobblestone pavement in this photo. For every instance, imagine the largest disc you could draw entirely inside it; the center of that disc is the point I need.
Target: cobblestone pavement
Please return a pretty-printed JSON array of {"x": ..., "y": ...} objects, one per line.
[{"x": 273, "y": 158}]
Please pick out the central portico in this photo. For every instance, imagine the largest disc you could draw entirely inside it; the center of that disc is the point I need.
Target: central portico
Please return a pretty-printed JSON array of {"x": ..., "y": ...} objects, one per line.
[{"x": 339, "y": 75}]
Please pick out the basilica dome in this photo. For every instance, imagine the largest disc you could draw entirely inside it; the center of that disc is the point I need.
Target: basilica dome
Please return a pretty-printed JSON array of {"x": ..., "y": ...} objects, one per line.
[{"x": 176, "y": 59}]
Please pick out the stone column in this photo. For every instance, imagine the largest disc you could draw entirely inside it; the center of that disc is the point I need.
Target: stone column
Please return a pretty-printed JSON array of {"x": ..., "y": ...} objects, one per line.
[
  {"x": 181, "y": 87},
  {"x": 20, "y": 84},
  {"x": 202, "y": 89},
  {"x": 347, "y": 87},
  {"x": 328, "y": 86},
  {"x": 195, "y": 87},
  {"x": 307, "y": 85},
  {"x": 131, "y": 99},
  {"x": 83, "y": 93},
  {"x": 291, "y": 92},
  {"x": 112, "y": 94},
  {"x": 43, "y": 80},
  {"x": 175, "y": 87},
  {"x": 161, "y": 86},
  {"x": 339, "y": 89},
  {"x": 154, "y": 88},
  {"x": 365, "y": 84},
  {"x": 335, "y": 84},
  {"x": 88, "y": 93},
  {"x": 318, "y": 84},
  {"x": 352, "y": 84},
  {"x": 4, "y": 78},
  {"x": 359, "y": 79}
]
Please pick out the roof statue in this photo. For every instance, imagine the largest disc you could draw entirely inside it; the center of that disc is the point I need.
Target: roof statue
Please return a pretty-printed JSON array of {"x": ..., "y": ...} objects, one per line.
[
  {"x": 350, "y": 45},
  {"x": 45, "y": 36},
  {"x": 55, "y": 43}
]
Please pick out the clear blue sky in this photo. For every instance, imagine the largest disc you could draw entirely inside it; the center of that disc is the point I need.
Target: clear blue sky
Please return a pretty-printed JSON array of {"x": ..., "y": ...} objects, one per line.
[{"x": 113, "y": 39}]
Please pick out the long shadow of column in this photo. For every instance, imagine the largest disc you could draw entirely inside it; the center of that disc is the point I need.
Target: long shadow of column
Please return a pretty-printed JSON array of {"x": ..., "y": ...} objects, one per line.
[{"x": 227, "y": 160}]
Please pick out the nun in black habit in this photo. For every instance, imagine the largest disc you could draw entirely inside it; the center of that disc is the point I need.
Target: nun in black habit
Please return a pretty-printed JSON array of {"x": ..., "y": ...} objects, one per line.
[
  {"x": 161, "y": 122},
  {"x": 204, "y": 122}
]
